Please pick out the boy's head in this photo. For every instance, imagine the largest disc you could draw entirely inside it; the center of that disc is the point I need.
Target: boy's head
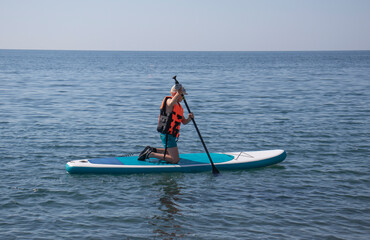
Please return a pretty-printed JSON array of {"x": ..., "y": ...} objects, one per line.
[{"x": 176, "y": 87}]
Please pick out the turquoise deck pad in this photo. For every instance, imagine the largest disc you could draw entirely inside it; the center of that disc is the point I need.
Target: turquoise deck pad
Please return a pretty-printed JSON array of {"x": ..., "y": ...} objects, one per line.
[
  {"x": 185, "y": 159},
  {"x": 203, "y": 158}
]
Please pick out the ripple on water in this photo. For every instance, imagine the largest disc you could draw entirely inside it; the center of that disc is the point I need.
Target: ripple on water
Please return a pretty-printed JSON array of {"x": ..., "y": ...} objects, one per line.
[{"x": 59, "y": 106}]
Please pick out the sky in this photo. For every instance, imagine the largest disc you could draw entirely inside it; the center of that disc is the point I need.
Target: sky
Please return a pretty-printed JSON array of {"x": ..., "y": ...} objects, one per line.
[{"x": 185, "y": 25}]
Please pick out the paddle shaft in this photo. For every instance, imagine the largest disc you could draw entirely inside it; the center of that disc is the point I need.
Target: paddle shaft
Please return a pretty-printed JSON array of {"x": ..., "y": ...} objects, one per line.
[{"x": 214, "y": 169}]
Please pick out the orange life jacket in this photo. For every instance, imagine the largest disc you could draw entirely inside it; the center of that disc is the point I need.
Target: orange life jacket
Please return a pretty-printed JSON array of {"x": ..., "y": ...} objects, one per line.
[{"x": 169, "y": 123}]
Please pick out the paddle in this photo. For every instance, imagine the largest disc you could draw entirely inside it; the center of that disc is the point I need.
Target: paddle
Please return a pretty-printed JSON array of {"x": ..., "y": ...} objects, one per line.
[{"x": 214, "y": 169}]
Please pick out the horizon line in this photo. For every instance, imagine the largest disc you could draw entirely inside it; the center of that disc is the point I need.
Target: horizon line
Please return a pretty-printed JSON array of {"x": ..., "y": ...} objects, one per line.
[{"x": 100, "y": 50}]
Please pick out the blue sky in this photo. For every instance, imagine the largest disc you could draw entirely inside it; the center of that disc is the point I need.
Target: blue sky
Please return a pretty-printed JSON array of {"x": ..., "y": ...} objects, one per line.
[{"x": 185, "y": 25}]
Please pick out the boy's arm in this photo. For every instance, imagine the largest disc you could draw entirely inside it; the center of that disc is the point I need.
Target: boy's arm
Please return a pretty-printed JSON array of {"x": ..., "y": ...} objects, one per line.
[
  {"x": 187, "y": 120},
  {"x": 172, "y": 102}
]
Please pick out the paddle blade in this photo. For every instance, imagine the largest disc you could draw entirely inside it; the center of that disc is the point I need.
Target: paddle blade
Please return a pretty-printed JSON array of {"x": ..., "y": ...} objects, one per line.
[{"x": 215, "y": 170}]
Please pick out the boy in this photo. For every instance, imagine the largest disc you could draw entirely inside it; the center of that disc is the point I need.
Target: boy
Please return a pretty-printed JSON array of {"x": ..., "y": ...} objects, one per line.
[{"x": 170, "y": 119}]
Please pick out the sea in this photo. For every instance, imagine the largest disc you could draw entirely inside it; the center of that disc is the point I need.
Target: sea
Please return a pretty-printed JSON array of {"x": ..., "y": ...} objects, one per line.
[{"x": 58, "y": 106}]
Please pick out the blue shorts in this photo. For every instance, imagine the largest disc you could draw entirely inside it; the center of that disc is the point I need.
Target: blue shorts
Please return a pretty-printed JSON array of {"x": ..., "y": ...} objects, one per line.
[{"x": 171, "y": 141}]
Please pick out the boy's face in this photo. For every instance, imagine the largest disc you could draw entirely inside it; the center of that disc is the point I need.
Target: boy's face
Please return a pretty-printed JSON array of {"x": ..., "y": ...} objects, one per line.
[{"x": 180, "y": 98}]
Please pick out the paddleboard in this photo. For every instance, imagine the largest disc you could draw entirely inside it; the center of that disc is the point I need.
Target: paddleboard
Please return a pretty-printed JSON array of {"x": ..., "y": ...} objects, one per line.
[{"x": 190, "y": 162}]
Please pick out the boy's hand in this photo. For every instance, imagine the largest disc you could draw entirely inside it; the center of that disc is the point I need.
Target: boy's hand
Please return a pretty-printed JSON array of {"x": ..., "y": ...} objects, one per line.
[
  {"x": 180, "y": 91},
  {"x": 191, "y": 115}
]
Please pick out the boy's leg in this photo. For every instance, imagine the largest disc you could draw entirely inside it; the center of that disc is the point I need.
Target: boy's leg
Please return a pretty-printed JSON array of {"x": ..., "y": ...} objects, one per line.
[
  {"x": 161, "y": 150},
  {"x": 172, "y": 155}
]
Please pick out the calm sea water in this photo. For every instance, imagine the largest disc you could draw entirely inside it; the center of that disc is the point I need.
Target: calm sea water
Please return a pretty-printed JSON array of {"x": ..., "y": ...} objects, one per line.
[{"x": 57, "y": 106}]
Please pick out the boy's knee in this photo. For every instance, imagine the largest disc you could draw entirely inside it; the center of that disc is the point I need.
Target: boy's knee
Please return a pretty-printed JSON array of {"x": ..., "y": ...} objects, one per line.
[{"x": 175, "y": 159}]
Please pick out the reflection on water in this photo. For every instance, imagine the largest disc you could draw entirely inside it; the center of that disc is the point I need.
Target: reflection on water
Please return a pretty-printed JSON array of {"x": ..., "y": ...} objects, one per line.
[{"x": 166, "y": 224}]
